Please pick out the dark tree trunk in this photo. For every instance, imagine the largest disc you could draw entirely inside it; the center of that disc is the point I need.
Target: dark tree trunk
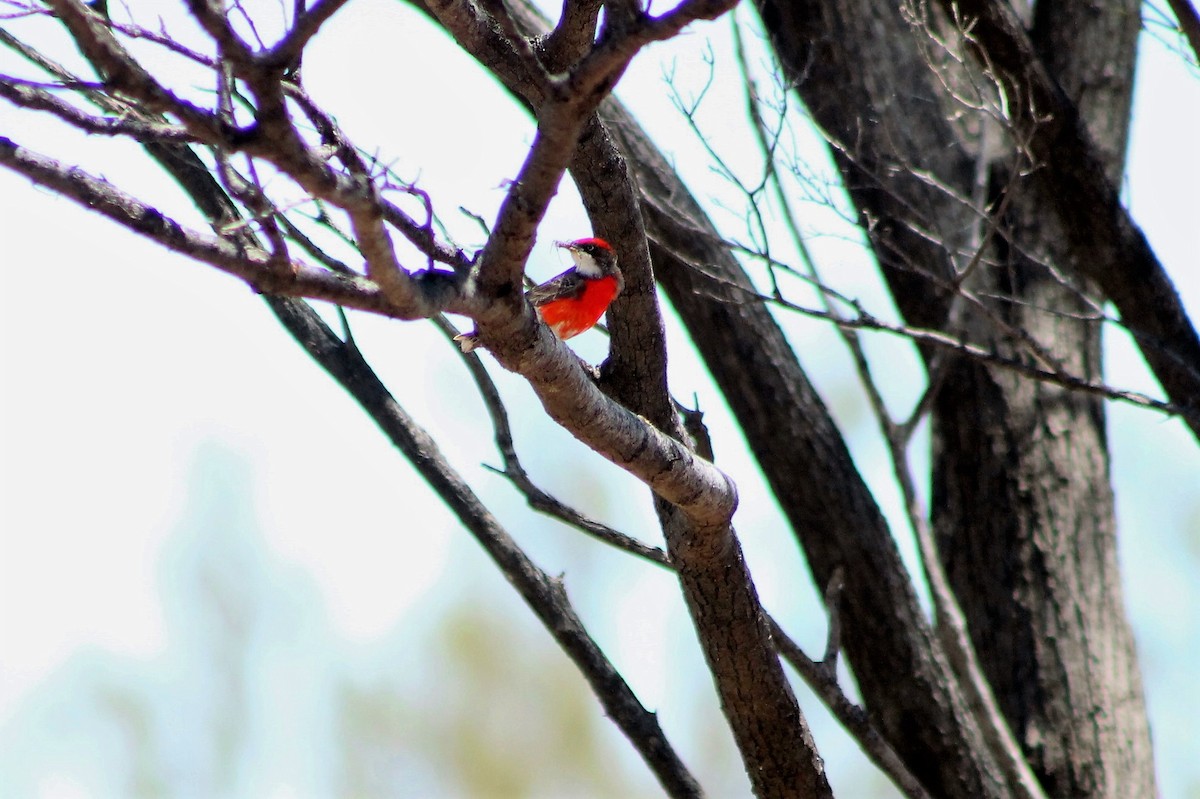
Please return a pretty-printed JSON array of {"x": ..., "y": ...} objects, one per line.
[
  {"x": 1022, "y": 499},
  {"x": 958, "y": 133},
  {"x": 1022, "y": 502}
]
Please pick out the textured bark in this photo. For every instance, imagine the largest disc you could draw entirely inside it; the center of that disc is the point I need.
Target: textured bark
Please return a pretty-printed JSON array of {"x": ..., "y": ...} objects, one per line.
[
  {"x": 731, "y": 627},
  {"x": 867, "y": 84},
  {"x": 772, "y": 736},
  {"x": 906, "y": 683},
  {"x": 544, "y": 595},
  {"x": 1022, "y": 496},
  {"x": 1021, "y": 490},
  {"x": 1022, "y": 502},
  {"x": 1097, "y": 236}
]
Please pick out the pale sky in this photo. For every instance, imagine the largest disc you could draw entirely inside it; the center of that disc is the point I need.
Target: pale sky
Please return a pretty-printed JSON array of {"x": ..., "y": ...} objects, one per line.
[{"x": 136, "y": 385}]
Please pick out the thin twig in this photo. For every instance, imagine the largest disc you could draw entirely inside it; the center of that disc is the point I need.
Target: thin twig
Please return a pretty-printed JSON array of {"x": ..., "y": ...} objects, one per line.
[
  {"x": 544, "y": 595},
  {"x": 833, "y": 600},
  {"x": 853, "y": 718},
  {"x": 516, "y": 474},
  {"x": 866, "y": 321}
]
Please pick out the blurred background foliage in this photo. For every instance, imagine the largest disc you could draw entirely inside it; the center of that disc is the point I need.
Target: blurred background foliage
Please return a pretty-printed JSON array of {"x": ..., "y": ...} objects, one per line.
[{"x": 217, "y": 580}]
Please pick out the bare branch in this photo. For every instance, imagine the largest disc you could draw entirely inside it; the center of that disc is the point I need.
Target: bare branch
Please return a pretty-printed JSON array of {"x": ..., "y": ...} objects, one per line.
[
  {"x": 545, "y": 596},
  {"x": 864, "y": 320},
  {"x": 286, "y": 53},
  {"x": 214, "y": 19},
  {"x": 833, "y": 639},
  {"x": 664, "y": 464},
  {"x": 955, "y": 640},
  {"x": 1189, "y": 23},
  {"x": 101, "y": 48},
  {"x": 823, "y": 682},
  {"x": 419, "y": 235},
  {"x": 1108, "y": 246},
  {"x": 562, "y": 108},
  {"x": 254, "y": 266},
  {"x": 951, "y": 623},
  {"x": 500, "y": 15},
  {"x": 756, "y": 698},
  {"x": 566, "y": 81},
  {"x": 570, "y": 397},
  {"x": 573, "y": 36},
  {"x": 513, "y": 470},
  {"x": 22, "y": 94}
]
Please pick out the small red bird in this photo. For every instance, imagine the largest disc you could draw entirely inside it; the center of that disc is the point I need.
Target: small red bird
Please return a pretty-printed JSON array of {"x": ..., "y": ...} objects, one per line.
[{"x": 575, "y": 300}]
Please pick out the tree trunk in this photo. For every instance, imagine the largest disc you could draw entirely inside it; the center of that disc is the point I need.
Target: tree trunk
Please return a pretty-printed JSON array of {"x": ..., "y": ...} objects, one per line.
[
  {"x": 1021, "y": 496},
  {"x": 1022, "y": 499}
]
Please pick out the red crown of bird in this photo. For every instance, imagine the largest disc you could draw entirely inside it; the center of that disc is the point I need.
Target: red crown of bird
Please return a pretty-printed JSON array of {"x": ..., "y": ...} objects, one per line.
[{"x": 574, "y": 301}]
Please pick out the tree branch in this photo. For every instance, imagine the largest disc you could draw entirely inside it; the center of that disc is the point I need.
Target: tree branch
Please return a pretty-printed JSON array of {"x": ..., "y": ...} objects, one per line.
[
  {"x": 755, "y": 696},
  {"x": 572, "y": 36},
  {"x": 288, "y": 50},
  {"x": 823, "y": 682},
  {"x": 786, "y": 430},
  {"x": 515, "y": 472},
  {"x": 545, "y": 596},
  {"x": 1189, "y": 23},
  {"x": 1106, "y": 244},
  {"x": 20, "y": 93},
  {"x": 98, "y": 44},
  {"x": 255, "y": 266}
]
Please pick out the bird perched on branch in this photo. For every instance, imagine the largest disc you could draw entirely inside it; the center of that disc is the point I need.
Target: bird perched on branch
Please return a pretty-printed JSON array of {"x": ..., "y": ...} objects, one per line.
[{"x": 575, "y": 300}]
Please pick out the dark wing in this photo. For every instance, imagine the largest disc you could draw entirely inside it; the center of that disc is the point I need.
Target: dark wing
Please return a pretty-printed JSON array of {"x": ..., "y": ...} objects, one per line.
[{"x": 568, "y": 285}]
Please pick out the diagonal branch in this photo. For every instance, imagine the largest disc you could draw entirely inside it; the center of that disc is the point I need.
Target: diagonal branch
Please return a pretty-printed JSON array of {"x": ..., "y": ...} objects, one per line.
[
  {"x": 756, "y": 698},
  {"x": 820, "y": 677},
  {"x": 545, "y": 596},
  {"x": 99, "y": 46},
  {"x": 254, "y": 265},
  {"x": 419, "y": 235},
  {"x": 1189, "y": 23},
  {"x": 20, "y": 93},
  {"x": 659, "y": 461},
  {"x": 794, "y": 438},
  {"x": 515, "y": 472},
  {"x": 695, "y": 500},
  {"x": 564, "y": 388},
  {"x": 1109, "y": 247},
  {"x": 287, "y": 51},
  {"x": 888, "y": 642}
]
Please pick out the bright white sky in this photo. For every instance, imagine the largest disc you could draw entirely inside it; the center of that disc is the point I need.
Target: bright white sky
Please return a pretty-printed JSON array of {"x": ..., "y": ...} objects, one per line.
[{"x": 136, "y": 385}]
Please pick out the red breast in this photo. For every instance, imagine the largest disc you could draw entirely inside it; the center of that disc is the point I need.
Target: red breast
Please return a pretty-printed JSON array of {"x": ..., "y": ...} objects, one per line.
[{"x": 570, "y": 316}]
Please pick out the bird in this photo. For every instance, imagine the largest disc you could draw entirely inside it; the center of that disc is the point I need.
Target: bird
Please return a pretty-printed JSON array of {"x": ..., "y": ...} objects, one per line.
[{"x": 574, "y": 301}]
